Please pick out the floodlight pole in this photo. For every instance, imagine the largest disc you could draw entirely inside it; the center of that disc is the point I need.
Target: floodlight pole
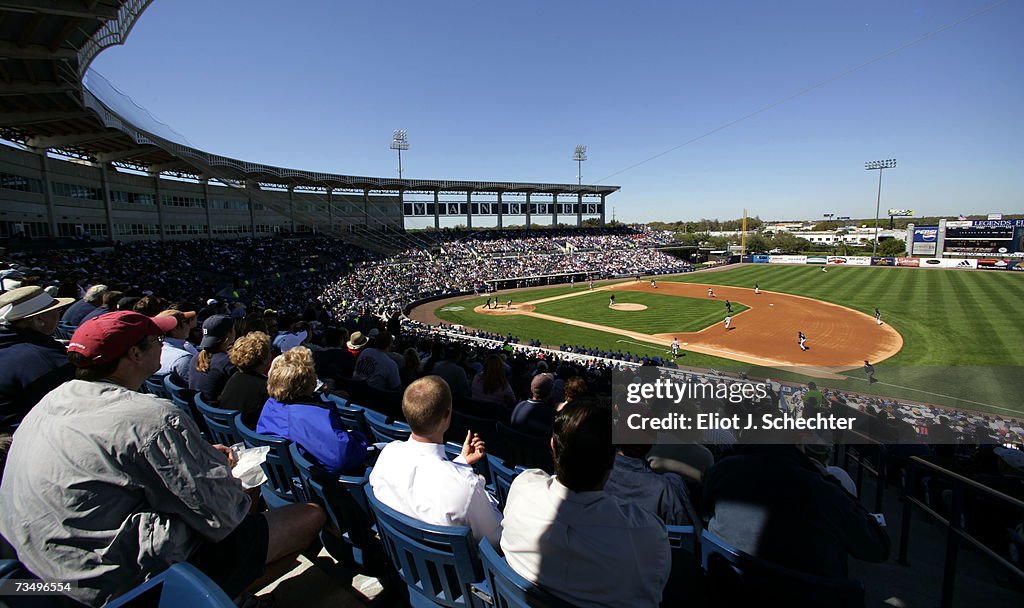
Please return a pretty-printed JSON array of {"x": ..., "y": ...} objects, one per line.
[
  {"x": 579, "y": 156},
  {"x": 878, "y": 165},
  {"x": 400, "y": 141}
]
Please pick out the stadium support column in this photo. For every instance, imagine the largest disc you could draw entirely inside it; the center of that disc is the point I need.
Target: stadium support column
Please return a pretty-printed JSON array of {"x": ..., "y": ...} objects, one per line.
[
  {"x": 909, "y": 241},
  {"x": 291, "y": 206},
  {"x": 330, "y": 210},
  {"x": 579, "y": 209},
  {"x": 366, "y": 209},
  {"x": 602, "y": 209},
  {"x": 469, "y": 208},
  {"x": 437, "y": 212},
  {"x": 206, "y": 199},
  {"x": 500, "y": 211},
  {"x": 159, "y": 203},
  {"x": 528, "y": 210},
  {"x": 107, "y": 207},
  {"x": 44, "y": 169},
  {"x": 554, "y": 210}
]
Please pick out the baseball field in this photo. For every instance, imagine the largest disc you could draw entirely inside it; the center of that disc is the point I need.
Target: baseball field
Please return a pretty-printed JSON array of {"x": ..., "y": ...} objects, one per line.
[{"x": 947, "y": 337}]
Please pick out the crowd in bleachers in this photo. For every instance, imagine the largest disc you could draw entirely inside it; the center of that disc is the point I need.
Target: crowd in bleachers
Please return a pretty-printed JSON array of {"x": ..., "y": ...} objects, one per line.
[{"x": 320, "y": 383}]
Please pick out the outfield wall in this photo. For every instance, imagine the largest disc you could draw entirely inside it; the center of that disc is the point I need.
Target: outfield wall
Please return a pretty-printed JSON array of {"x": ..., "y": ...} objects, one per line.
[{"x": 865, "y": 260}]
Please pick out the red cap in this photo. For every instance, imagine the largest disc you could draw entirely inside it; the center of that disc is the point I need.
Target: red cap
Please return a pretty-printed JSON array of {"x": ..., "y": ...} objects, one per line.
[{"x": 108, "y": 336}]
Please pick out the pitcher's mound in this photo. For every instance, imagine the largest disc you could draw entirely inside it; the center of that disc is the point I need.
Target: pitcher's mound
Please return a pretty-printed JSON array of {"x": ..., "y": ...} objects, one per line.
[{"x": 628, "y": 307}]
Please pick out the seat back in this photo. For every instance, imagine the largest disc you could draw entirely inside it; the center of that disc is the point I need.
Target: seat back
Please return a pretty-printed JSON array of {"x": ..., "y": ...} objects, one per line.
[
  {"x": 384, "y": 429},
  {"x": 453, "y": 450},
  {"x": 155, "y": 386},
  {"x": 283, "y": 484},
  {"x": 386, "y": 402},
  {"x": 524, "y": 449},
  {"x": 181, "y": 396},
  {"x": 463, "y": 423},
  {"x": 737, "y": 579},
  {"x": 684, "y": 582},
  {"x": 349, "y": 536},
  {"x": 510, "y": 590},
  {"x": 502, "y": 476},
  {"x": 352, "y": 416},
  {"x": 180, "y": 586},
  {"x": 438, "y": 564},
  {"x": 220, "y": 423}
]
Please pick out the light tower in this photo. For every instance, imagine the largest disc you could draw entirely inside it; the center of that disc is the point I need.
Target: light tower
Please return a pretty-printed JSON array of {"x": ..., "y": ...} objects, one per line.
[
  {"x": 579, "y": 157},
  {"x": 878, "y": 165},
  {"x": 400, "y": 142}
]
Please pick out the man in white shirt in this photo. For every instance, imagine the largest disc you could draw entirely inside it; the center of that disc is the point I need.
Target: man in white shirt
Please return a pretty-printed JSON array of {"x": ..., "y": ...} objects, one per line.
[
  {"x": 416, "y": 478},
  {"x": 377, "y": 367},
  {"x": 569, "y": 536}
]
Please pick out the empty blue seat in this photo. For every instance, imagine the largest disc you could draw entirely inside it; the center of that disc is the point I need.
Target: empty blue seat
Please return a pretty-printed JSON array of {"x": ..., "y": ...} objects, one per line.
[
  {"x": 438, "y": 564},
  {"x": 507, "y": 589},
  {"x": 525, "y": 449},
  {"x": 155, "y": 386},
  {"x": 182, "y": 396},
  {"x": 352, "y": 416},
  {"x": 220, "y": 423},
  {"x": 501, "y": 477},
  {"x": 684, "y": 584},
  {"x": 349, "y": 536},
  {"x": 738, "y": 579},
  {"x": 384, "y": 429},
  {"x": 180, "y": 586},
  {"x": 283, "y": 486}
]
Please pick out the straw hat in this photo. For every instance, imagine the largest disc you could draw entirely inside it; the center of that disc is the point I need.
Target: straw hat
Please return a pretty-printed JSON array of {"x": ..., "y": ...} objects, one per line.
[{"x": 27, "y": 302}]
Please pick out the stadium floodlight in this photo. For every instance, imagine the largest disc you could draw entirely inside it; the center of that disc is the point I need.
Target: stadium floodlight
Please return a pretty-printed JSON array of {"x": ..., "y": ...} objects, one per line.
[
  {"x": 878, "y": 165},
  {"x": 579, "y": 156},
  {"x": 400, "y": 142}
]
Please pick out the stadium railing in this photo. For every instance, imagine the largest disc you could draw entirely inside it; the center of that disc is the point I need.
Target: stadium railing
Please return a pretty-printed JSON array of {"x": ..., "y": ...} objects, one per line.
[{"x": 962, "y": 489}]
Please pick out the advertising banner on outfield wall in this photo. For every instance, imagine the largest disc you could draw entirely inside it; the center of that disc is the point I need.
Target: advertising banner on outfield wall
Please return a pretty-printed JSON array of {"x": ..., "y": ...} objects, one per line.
[
  {"x": 760, "y": 258},
  {"x": 993, "y": 264},
  {"x": 883, "y": 261},
  {"x": 787, "y": 259},
  {"x": 1016, "y": 265},
  {"x": 947, "y": 263},
  {"x": 908, "y": 262},
  {"x": 817, "y": 259},
  {"x": 850, "y": 260}
]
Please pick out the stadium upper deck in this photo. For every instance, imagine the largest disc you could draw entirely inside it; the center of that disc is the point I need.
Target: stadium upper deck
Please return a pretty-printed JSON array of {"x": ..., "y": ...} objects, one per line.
[{"x": 114, "y": 184}]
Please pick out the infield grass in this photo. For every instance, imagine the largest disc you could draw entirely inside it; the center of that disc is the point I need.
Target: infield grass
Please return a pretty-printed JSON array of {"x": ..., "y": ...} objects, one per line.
[{"x": 962, "y": 333}]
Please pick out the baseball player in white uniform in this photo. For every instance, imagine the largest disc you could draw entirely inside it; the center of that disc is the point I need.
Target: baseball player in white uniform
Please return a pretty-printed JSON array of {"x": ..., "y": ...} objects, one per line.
[
  {"x": 728, "y": 321},
  {"x": 675, "y": 347}
]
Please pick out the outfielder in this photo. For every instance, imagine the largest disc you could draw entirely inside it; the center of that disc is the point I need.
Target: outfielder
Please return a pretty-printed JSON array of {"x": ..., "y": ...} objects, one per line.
[{"x": 878, "y": 316}]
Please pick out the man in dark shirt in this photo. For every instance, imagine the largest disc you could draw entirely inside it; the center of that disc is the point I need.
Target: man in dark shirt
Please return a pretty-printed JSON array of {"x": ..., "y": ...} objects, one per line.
[
  {"x": 32, "y": 363},
  {"x": 536, "y": 415},
  {"x": 773, "y": 502}
]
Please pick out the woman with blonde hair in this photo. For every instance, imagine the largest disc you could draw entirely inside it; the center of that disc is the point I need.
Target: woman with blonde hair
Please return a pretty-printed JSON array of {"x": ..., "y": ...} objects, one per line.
[
  {"x": 294, "y": 412},
  {"x": 491, "y": 385}
]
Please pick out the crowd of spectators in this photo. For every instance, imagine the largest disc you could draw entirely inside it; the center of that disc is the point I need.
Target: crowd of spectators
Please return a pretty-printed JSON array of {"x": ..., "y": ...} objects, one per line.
[{"x": 262, "y": 345}]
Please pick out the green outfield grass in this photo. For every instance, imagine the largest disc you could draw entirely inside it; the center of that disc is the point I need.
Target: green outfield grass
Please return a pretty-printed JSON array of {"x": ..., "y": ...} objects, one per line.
[
  {"x": 664, "y": 314},
  {"x": 963, "y": 339}
]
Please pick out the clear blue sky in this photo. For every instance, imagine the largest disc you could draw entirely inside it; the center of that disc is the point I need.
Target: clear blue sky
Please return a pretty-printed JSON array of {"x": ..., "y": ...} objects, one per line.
[{"x": 504, "y": 91}]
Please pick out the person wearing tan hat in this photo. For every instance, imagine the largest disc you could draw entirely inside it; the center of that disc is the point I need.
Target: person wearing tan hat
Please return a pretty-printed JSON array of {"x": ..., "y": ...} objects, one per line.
[
  {"x": 107, "y": 486},
  {"x": 356, "y": 343},
  {"x": 32, "y": 362}
]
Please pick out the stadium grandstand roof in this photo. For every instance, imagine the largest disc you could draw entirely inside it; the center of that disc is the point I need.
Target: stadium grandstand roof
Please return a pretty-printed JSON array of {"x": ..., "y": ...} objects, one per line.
[{"x": 47, "y": 103}]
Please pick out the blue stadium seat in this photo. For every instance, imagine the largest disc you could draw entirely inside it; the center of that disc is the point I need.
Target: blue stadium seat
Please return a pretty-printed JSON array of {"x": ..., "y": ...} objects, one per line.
[
  {"x": 352, "y": 416},
  {"x": 155, "y": 386},
  {"x": 64, "y": 331},
  {"x": 437, "y": 563},
  {"x": 384, "y": 429},
  {"x": 524, "y": 449},
  {"x": 181, "y": 396},
  {"x": 463, "y": 422},
  {"x": 510, "y": 590},
  {"x": 453, "y": 450},
  {"x": 501, "y": 477},
  {"x": 684, "y": 582},
  {"x": 735, "y": 578},
  {"x": 283, "y": 486},
  {"x": 349, "y": 536},
  {"x": 220, "y": 424},
  {"x": 180, "y": 586}
]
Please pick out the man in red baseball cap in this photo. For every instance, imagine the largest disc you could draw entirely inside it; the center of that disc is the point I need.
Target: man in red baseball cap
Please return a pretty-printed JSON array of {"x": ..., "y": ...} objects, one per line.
[{"x": 127, "y": 486}]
